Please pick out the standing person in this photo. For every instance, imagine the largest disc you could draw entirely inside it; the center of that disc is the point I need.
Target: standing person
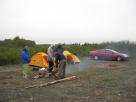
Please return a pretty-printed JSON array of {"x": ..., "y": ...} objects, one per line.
[
  {"x": 51, "y": 57},
  {"x": 25, "y": 61},
  {"x": 60, "y": 61}
]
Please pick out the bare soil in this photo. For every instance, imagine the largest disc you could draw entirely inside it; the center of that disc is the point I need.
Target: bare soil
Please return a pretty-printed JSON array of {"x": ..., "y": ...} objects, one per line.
[{"x": 99, "y": 81}]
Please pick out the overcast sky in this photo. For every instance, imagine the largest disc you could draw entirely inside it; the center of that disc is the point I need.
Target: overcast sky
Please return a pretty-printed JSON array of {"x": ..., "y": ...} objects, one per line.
[{"x": 68, "y": 21}]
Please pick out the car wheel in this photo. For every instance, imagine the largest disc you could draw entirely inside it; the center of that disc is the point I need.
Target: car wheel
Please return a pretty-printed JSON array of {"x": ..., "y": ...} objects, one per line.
[
  {"x": 118, "y": 58},
  {"x": 96, "y": 57}
]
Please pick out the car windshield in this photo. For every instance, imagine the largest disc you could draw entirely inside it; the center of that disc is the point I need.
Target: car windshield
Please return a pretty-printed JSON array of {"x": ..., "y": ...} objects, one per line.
[{"x": 114, "y": 51}]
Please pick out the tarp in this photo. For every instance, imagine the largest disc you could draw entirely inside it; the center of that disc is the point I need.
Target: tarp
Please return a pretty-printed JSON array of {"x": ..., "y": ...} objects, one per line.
[
  {"x": 71, "y": 58},
  {"x": 39, "y": 59}
]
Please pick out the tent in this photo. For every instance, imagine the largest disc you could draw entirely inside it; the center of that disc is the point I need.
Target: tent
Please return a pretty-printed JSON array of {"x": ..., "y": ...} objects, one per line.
[
  {"x": 71, "y": 58},
  {"x": 40, "y": 60}
]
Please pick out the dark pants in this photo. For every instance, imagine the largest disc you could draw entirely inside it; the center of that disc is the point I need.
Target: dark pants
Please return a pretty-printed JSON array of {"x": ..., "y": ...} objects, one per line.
[
  {"x": 57, "y": 60},
  {"x": 50, "y": 66}
]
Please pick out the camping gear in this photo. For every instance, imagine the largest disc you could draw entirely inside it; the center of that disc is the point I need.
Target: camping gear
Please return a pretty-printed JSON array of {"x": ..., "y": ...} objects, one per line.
[
  {"x": 71, "y": 58},
  {"x": 39, "y": 60}
]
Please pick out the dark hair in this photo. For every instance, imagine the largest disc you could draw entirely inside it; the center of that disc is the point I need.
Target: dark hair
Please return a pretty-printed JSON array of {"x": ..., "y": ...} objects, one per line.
[
  {"x": 59, "y": 46},
  {"x": 26, "y": 48}
]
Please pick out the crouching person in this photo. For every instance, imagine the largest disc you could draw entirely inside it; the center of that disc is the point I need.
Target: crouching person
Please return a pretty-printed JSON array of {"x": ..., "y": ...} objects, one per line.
[
  {"x": 25, "y": 61},
  {"x": 61, "y": 61}
]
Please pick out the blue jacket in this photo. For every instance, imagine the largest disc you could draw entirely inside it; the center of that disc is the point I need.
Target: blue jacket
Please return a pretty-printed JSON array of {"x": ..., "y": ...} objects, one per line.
[
  {"x": 25, "y": 57},
  {"x": 59, "y": 54}
]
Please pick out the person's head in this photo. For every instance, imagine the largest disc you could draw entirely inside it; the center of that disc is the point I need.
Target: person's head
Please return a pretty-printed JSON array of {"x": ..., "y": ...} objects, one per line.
[
  {"x": 52, "y": 46},
  {"x": 26, "y": 48},
  {"x": 59, "y": 46}
]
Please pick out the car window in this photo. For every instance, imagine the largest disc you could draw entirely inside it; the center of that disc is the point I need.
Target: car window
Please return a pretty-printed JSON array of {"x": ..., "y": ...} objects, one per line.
[
  {"x": 109, "y": 52},
  {"x": 101, "y": 51},
  {"x": 114, "y": 51}
]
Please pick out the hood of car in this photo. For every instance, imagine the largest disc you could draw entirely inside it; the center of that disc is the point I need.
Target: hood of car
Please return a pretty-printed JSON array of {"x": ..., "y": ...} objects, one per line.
[{"x": 123, "y": 55}]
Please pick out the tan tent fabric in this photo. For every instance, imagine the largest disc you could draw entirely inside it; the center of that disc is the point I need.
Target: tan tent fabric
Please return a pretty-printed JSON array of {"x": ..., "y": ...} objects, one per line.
[{"x": 39, "y": 59}]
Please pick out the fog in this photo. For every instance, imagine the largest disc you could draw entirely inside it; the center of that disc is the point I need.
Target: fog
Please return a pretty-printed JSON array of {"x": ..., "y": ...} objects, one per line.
[
  {"x": 84, "y": 64},
  {"x": 72, "y": 21}
]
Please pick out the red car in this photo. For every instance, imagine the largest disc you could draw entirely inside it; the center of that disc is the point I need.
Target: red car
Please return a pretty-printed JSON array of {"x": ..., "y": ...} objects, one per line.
[{"x": 108, "y": 54}]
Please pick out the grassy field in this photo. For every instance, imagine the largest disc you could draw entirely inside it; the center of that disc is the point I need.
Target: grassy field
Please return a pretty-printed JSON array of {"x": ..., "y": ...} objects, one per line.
[{"x": 12, "y": 55}]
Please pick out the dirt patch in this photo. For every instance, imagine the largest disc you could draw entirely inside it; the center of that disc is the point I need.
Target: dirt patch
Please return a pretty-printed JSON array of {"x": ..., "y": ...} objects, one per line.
[
  {"x": 114, "y": 65},
  {"x": 9, "y": 74},
  {"x": 99, "y": 81}
]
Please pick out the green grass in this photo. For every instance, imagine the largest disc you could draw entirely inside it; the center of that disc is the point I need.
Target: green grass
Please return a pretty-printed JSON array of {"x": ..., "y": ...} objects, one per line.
[
  {"x": 10, "y": 50},
  {"x": 12, "y": 55}
]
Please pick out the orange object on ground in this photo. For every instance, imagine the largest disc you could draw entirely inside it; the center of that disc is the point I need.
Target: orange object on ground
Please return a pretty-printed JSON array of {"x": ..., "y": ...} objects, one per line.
[
  {"x": 40, "y": 60},
  {"x": 71, "y": 58}
]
